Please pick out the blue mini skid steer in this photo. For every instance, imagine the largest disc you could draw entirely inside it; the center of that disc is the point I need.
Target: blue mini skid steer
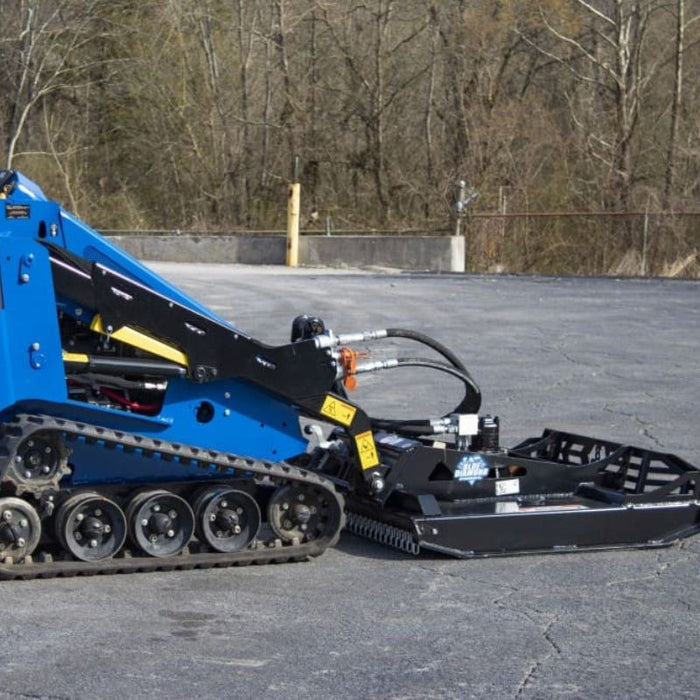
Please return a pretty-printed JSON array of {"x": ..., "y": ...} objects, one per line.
[{"x": 139, "y": 431}]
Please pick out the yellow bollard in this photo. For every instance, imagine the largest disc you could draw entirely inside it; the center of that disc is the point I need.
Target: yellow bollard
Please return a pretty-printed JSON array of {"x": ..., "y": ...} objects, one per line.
[{"x": 293, "y": 224}]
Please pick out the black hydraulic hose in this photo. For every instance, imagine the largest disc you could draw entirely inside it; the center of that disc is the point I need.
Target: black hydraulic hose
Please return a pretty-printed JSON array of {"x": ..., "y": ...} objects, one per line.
[
  {"x": 469, "y": 404},
  {"x": 430, "y": 342},
  {"x": 441, "y": 367},
  {"x": 472, "y": 400}
]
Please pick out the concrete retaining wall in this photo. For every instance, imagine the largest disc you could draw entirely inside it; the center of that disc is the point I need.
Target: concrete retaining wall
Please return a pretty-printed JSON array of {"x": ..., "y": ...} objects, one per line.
[{"x": 438, "y": 253}]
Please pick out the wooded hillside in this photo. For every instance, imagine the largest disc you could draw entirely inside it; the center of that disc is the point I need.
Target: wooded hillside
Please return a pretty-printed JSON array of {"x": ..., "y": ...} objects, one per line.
[{"x": 171, "y": 114}]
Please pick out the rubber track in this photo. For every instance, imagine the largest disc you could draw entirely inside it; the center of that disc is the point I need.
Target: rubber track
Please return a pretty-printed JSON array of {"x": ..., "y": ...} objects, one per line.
[{"x": 272, "y": 551}]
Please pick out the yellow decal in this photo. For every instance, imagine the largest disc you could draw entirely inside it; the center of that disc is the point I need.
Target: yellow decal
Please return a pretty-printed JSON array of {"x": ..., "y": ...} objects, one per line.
[
  {"x": 338, "y": 410},
  {"x": 367, "y": 450},
  {"x": 131, "y": 336}
]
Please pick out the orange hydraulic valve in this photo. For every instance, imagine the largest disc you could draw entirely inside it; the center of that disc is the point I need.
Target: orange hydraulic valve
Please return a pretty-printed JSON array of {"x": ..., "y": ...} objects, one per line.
[{"x": 348, "y": 361}]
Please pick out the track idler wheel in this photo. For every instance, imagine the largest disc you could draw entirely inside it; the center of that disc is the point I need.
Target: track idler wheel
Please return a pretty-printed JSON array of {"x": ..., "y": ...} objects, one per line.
[
  {"x": 39, "y": 461},
  {"x": 302, "y": 512},
  {"x": 20, "y": 528},
  {"x": 160, "y": 522},
  {"x": 91, "y": 527},
  {"x": 227, "y": 519}
]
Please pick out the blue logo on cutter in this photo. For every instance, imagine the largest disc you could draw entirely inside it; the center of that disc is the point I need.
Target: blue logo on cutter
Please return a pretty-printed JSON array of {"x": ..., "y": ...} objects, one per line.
[{"x": 471, "y": 468}]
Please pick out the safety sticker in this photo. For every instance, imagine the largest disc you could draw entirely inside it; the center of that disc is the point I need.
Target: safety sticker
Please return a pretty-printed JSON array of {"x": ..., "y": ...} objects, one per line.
[
  {"x": 338, "y": 410},
  {"x": 472, "y": 468},
  {"x": 367, "y": 450}
]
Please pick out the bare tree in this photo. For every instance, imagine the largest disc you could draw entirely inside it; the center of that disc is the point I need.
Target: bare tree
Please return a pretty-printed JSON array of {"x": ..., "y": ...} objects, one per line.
[
  {"x": 46, "y": 57},
  {"x": 376, "y": 79},
  {"x": 681, "y": 26},
  {"x": 606, "y": 55}
]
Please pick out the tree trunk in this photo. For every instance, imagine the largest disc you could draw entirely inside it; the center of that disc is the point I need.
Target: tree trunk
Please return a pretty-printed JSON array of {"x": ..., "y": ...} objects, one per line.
[{"x": 670, "y": 173}]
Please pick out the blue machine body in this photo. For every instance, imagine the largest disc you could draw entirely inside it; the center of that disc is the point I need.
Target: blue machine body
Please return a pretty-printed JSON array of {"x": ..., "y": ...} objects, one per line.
[{"x": 241, "y": 418}]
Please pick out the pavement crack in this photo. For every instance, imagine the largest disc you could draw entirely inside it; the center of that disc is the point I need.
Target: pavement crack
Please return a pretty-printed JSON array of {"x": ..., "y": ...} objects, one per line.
[
  {"x": 645, "y": 425},
  {"x": 661, "y": 567},
  {"x": 525, "y": 681},
  {"x": 536, "y": 665}
]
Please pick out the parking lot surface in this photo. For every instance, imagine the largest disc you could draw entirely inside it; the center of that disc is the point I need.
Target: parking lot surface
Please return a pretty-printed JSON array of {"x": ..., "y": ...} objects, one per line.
[{"x": 618, "y": 359}]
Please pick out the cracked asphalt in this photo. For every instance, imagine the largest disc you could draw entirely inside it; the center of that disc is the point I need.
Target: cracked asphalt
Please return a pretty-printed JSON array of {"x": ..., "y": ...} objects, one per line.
[{"x": 611, "y": 358}]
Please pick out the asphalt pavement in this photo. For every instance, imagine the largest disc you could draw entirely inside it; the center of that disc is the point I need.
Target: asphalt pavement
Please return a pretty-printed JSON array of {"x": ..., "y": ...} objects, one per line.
[{"x": 618, "y": 359}]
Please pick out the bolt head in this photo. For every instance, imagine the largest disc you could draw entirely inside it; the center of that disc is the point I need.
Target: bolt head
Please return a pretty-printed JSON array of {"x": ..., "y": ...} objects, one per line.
[
  {"x": 237, "y": 529},
  {"x": 7, "y": 515},
  {"x": 93, "y": 543},
  {"x": 45, "y": 469},
  {"x": 24, "y": 522},
  {"x": 108, "y": 529},
  {"x": 212, "y": 517},
  {"x": 153, "y": 538},
  {"x": 156, "y": 508},
  {"x": 21, "y": 542},
  {"x": 144, "y": 522},
  {"x": 170, "y": 533},
  {"x": 80, "y": 517},
  {"x": 98, "y": 512},
  {"x": 223, "y": 504},
  {"x": 173, "y": 514},
  {"x": 377, "y": 484}
]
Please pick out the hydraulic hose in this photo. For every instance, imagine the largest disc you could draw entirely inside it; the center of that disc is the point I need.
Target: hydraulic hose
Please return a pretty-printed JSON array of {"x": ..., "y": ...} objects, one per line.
[
  {"x": 430, "y": 342},
  {"x": 472, "y": 399},
  {"x": 469, "y": 404},
  {"x": 454, "y": 366}
]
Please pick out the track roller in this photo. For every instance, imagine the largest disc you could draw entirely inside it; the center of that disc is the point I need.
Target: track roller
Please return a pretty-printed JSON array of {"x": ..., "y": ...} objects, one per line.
[
  {"x": 20, "y": 528},
  {"x": 160, "y": 522},
  {"x": 227, "y": 519},
  {"x": 90, "y": 526},
  {"x": 302, "y": 513}
]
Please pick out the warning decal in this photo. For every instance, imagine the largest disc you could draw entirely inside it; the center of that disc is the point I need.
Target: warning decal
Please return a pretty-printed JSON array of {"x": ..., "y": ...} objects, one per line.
[
  {"x": 338, "y": 410},
  {"x": 367, "y": 450}
]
